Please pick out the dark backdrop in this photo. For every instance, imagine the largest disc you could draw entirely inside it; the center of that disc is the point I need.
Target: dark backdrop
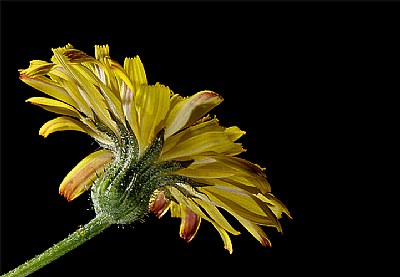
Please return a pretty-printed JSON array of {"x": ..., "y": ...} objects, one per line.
[{"x": 296, "y": 76}]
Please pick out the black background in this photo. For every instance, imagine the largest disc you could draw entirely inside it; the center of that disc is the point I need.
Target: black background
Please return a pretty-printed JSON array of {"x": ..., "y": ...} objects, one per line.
[{"x": 303, "y": 80}]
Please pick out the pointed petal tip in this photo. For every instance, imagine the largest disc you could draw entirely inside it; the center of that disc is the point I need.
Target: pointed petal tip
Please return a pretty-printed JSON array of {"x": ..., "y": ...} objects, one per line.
[
  {"x": 43, "y": 134},
  {"x": 187, "y": 239},
  {"x": 265, "y": 242},
  {"x": 230, "y": 250}
]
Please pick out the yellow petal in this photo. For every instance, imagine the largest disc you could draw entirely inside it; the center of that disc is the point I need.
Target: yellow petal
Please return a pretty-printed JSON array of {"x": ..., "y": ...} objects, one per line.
[
  {"x": 216, "y": 216},
  {"x": 245, "y": 172},
  {"x": 258, "y": 182},
  {"x": 65, "y": 123},
  {"x": 49, "y": 87},
  {"x": 54, "y": 106},
  {"x": 134, "y": 77},
  {"x": 219, "y": 222},
  {"x": 222, "y": 166},
  {"x": 199, "y": 139},
  {"x": 91, "y": 94},
  {"x": 249, "y": 224},
  {"x": 112, "y": 99},
  {"x": 254, "y": 229},
  {"x": 175, "y": 209},
  {"x": 152, "y": 105},
  {"x": 276, "y": 206},
  {"x": 241, "y": 165},
  {"x": 135, "y": 70},
  {"x": 128, "y": 106},
  {"x": 120, "y": 73},
  {"x": 102, "y": 138},
  {"x": 102, "y": 54},
  {"x": 37, "y": 68},
  {"x": 187, "y": 207},
  {"x": 243, "y": 204},
  {"x": 234, "y": 133},
  {"x": 191, "y": 109},
  {"x": 81, "y": 177},
  {"x": 233, "y": 170},
  {"x": 77, "y": 56},
  {"x": 225, "y": 238},
  {"x": 210, "y": 169},
  {"x": 223, "y": 184},
  {"x": 247, "y": 218},
  {"x": 59, "y": 75},
  {"x": 182, "y": 199}
]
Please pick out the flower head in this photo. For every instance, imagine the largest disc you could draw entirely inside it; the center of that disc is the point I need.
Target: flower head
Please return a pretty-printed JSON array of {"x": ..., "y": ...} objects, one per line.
[{"x": 159, "y": 151}]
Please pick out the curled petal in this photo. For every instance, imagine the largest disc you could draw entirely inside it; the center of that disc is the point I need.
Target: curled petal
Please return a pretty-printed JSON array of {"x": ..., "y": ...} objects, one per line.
[
  {"x": 81, "y": 177},
  {"x": 189, "y": 110},
  {"x": 62, "y": 123},
  {"x": 65, "y": 123}
]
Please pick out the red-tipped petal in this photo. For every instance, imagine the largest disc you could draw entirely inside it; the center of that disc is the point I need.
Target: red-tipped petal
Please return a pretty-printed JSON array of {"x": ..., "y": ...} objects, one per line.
[
  {"x": 189, "y": 225},
  {"x": 160, "y": 205}
]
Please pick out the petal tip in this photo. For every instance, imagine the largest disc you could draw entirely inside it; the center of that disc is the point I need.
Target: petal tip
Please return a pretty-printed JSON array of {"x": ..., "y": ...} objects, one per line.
[{"x": 211, "y": 95}]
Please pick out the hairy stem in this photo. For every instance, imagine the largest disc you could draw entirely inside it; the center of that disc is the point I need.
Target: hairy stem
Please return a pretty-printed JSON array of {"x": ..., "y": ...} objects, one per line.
[{"x": 88, "y": 231}]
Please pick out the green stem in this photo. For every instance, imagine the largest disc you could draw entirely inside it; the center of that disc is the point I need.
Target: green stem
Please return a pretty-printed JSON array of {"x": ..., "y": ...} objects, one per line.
[{"x": 91, "y": 229}]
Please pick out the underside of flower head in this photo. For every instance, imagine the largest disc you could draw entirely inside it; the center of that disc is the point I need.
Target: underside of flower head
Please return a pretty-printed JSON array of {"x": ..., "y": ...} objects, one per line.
[{"x": 160, "y": 151}]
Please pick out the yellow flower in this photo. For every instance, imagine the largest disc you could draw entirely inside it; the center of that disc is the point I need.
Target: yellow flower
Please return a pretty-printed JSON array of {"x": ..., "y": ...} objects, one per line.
[{"x": 159, "y": 151}]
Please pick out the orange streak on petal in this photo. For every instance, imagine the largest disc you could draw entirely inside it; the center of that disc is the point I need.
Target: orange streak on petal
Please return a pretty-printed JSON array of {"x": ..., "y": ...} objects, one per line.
[
  {"x": 76, "y": 185},
  {"x": 82, "y": 176}
]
